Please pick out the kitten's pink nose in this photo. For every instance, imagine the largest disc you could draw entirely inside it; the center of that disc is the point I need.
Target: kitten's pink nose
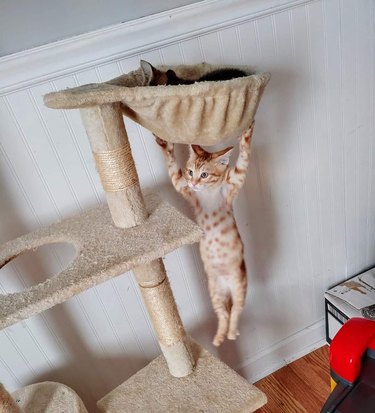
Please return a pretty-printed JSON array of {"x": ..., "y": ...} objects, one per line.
[{"x": 194, "y": 183}]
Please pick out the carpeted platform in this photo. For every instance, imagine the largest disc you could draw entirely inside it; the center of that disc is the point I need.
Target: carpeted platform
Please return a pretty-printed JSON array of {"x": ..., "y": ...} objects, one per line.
[
  {"x": 213, "y": 387},
  {"x": 103, "y": 252}
]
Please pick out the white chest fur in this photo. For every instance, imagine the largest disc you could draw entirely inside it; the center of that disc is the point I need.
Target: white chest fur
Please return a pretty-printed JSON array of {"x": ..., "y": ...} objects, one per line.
[{"x": 212, "y": 199}]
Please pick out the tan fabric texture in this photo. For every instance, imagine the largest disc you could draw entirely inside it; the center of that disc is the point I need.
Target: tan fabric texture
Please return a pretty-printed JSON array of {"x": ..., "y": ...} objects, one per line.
[
  {"x": 103, "y": 252},
  {"x": 48, "y": 397},
  {"x": 204, "y": 113},
  {"x": 213, "y": 387}
]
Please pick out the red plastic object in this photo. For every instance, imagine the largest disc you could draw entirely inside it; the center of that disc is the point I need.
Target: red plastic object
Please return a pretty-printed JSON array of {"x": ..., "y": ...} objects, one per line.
[{"x": 349, "y": 345}]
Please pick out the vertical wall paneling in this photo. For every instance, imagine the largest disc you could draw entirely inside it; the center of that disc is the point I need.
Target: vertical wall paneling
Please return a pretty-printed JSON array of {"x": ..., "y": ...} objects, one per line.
[{"x": 306, "y": 212}]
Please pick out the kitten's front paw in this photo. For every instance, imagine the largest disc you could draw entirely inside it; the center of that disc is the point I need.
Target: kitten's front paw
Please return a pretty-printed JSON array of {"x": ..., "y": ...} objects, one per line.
[
  {"x": 166, "y": 146},
  {"x": 246, "y": 136},
  {"x": 161, "y": 142}
]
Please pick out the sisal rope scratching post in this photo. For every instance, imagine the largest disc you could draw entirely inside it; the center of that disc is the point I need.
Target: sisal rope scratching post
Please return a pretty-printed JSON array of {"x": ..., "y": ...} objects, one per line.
[
  {"x": 112, "y": 153},
  {"x": 110, "y": 146}
]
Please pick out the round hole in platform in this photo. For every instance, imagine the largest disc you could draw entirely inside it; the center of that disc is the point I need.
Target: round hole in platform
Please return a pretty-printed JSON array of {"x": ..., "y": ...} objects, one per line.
[{"x": 33, "y": 267}]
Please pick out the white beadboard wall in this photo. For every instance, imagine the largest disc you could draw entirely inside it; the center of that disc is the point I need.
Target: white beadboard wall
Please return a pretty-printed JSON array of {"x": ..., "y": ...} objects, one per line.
[{"x": 306, "y": 213}]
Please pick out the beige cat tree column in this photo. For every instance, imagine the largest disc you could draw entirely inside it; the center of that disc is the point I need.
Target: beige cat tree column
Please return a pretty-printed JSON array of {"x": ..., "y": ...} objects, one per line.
[
  {"x": 186, "y": 378},
  {"x": 105, "y": 128}
]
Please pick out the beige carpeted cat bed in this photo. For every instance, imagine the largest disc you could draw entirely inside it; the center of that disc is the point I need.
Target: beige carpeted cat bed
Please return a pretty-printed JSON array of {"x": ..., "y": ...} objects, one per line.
[
  {"x": 46, "y": 397},
  {"x": 204, "y": 113},
  {"x": 129, "y": 235}
]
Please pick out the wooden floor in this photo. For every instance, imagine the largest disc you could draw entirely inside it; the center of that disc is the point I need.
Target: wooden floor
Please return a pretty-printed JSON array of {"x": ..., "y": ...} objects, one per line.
[{"x": 300, "y": 387}]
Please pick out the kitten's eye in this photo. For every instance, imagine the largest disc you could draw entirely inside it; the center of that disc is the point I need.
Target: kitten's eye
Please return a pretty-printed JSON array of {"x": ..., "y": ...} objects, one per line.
[
  {"x": 204, "y": 175},
  {"x": 190, "y": 172}
]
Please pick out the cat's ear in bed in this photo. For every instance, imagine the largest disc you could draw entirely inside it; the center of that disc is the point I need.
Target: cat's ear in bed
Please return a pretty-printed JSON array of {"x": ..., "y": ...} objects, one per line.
[
  {"x": 148, "y": 71},
  {"x": 222, "y": 157},
  {"x": 152, "y": 76}
]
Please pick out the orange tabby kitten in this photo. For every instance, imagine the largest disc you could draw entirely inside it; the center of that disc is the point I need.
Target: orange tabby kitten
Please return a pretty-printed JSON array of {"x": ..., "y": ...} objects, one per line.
[{"x": 210, "y": 186}]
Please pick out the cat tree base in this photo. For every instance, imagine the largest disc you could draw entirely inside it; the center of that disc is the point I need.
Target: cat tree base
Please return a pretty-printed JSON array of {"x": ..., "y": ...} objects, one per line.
[{"x": 212, "y": 387}]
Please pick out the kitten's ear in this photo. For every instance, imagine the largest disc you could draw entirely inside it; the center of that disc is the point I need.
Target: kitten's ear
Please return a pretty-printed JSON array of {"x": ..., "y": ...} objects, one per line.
[
  {"x": 222, "y": 157},
  {"x": 148, "y": 71},
  {"x": 197, "y": 150}
]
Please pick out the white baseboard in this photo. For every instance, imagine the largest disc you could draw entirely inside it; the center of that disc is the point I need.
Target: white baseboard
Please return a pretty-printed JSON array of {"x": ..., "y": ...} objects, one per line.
[
  {"x": 284, "y": 352},
  {"x": 30, "y": 67}
]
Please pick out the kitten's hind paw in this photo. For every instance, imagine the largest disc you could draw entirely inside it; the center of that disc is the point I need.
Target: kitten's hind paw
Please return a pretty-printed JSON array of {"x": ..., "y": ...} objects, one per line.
[
  {"x": 232, "y": 335},
  {"x": 217, "y": 341}
]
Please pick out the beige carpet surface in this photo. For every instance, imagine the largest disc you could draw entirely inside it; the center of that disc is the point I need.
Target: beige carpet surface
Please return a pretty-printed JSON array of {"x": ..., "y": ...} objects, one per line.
[{"x": 213, "y": 387}]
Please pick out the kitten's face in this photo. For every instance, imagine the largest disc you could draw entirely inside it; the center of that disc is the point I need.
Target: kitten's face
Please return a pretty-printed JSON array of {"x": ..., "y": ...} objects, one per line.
[{"x": 205, "y": 170}]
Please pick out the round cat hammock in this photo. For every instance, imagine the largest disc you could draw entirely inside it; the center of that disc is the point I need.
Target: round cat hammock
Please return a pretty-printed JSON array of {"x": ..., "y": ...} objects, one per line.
[
  {"x": 185, "y": 378},
  {"x": 204, "y": 113}
]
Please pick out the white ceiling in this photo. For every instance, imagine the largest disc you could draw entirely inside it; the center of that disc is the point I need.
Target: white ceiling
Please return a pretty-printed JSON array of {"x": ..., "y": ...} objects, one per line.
[{"x": 25, "y": 24}]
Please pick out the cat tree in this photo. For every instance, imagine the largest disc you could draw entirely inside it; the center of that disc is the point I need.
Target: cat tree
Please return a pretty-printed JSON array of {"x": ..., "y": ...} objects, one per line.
[{"x": 134, "y": 232}]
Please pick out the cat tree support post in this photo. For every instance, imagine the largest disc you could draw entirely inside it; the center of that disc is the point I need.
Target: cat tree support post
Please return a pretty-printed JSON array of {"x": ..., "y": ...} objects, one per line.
[{"x": 109, "y": 142}]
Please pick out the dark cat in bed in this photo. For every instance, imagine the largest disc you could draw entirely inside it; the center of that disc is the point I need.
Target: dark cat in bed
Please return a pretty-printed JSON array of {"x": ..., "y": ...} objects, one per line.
[{"x": 158, "y": 77}]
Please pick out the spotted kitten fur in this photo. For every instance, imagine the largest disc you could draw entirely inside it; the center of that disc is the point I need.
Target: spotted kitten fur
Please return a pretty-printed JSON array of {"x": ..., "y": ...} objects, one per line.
[{"x": 210, "y": 185}]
